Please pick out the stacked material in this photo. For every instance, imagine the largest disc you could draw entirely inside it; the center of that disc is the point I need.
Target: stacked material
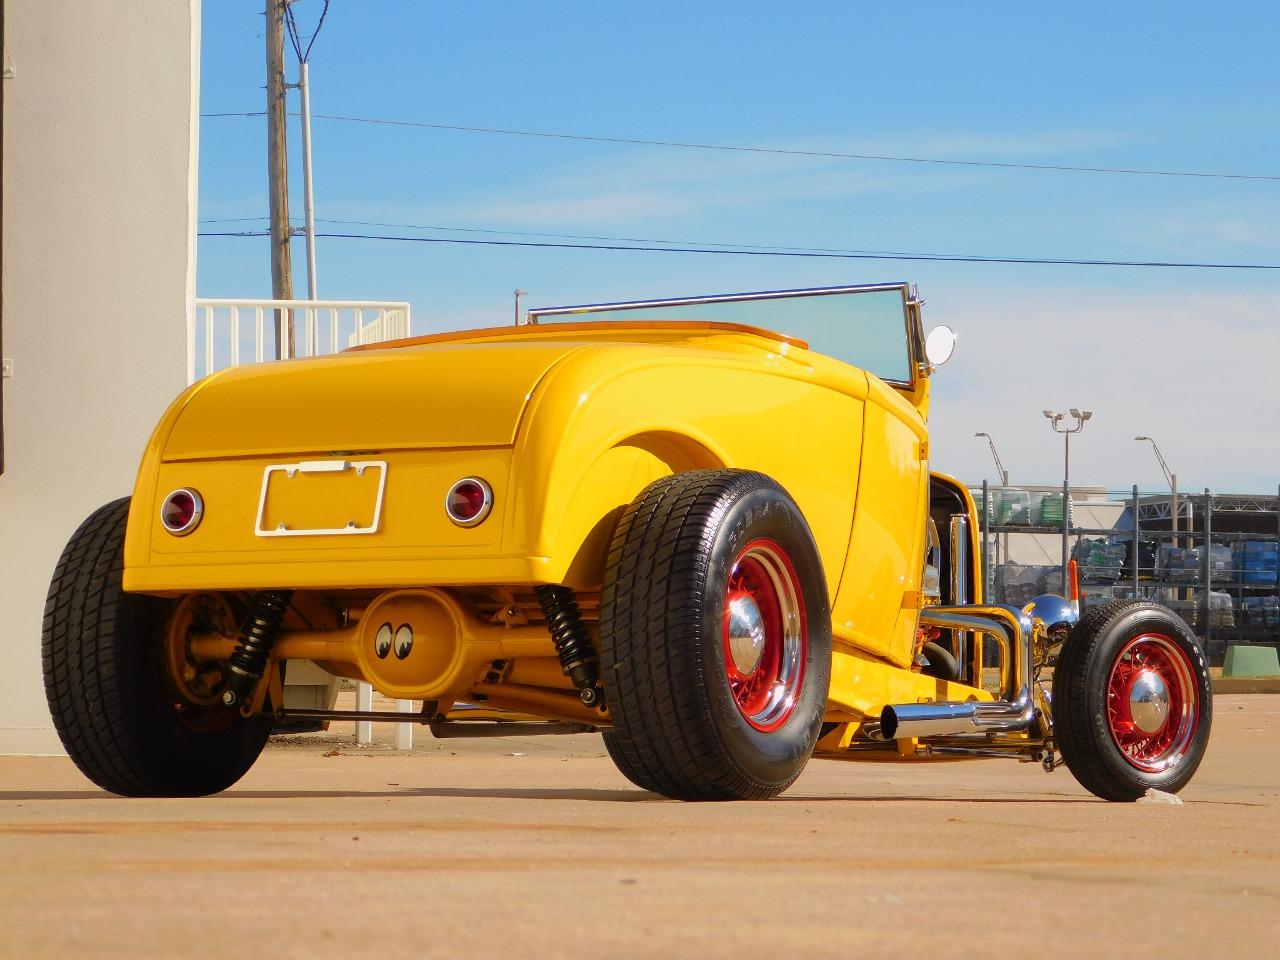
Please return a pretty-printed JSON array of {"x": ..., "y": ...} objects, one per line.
[
  {"x": 1147, "y": 557},
  {"x": 1256, "y": 562},
  {"x": 1050, "y": 581},
  {"x": 1176, "y": 563},
  {"x": 1050, "y": 513},
  {"x": 1017, "y": 584},
  {"x": 1035, "y": 505},
  {"x": 1220, "y": 562},
  {"x": 1145, "y": 592},
  {"x": 1012, "y": 507},
  {"x": 1221, "y": 609},
  {"x": 1260, "y": 612},
  {"x": 1099, "y": 561},
  {"x": 1188, "y": 610}
]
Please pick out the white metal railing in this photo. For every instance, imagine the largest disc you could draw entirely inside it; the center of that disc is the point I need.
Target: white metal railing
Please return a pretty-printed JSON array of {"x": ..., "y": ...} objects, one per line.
[{"x": 227, "y": 333}]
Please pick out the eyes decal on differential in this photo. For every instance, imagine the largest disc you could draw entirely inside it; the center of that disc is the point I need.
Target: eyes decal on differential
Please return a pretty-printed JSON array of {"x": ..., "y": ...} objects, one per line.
[
  {"x": 382, "y": 641},
  {"x": 404, "y": 641}
]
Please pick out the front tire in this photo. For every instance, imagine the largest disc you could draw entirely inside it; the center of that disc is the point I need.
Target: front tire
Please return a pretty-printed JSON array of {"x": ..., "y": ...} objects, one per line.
[
  {"x": 1132, "y": 702},
  {"x": 715, "y": 638},
  {"x": 104, "y": 677}
]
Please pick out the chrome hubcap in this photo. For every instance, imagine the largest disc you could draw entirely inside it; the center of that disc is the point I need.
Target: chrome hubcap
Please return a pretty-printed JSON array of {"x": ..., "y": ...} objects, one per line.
[
  {"x": 764, "y": 634},
  {"x": 1149, "y": 701},
  {"x": 746, "y": 633}
]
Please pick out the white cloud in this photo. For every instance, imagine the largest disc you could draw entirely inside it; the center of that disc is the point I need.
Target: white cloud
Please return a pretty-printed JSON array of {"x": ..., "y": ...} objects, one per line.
[
  {"x": 657, "y": 186},
  {"x": 1203, "y": 227},
  {"x": 1196, "y": 372},
  {"x": 642, "y": 184}
]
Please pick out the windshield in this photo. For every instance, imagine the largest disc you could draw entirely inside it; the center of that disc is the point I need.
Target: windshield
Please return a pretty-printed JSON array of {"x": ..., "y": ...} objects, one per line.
[{"x": 867, "y": 326}]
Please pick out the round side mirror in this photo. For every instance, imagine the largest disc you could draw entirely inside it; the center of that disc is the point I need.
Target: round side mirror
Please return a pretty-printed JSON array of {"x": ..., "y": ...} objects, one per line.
[{"x": 939, "y": 345}]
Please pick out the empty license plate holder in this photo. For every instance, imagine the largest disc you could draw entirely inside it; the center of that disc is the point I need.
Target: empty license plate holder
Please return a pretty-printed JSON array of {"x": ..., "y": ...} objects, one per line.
[{"x": 329, "y": 498}]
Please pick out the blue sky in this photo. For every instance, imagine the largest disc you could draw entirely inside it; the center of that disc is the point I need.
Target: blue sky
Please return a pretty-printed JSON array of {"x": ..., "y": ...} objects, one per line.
[{"x": 1185, "y": 356}]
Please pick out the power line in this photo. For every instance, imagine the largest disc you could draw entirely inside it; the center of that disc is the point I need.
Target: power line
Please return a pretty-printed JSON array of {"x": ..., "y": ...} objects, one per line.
[
  {"x": 563, "y": 236},
  {"x": 295, "y": 39},
  {"x": 780, "y": 151},
  {"x": 939, "y": 257}
]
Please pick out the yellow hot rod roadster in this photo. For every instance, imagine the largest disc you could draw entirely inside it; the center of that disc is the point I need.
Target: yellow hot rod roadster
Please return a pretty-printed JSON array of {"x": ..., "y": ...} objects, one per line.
[{"x": 704, "y": 527}]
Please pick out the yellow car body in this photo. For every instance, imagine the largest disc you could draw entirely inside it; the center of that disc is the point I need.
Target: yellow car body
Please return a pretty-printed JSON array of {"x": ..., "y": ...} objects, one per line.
[
  {"x": 705, "y": 528},
  {"x": 567, "y": 422}
]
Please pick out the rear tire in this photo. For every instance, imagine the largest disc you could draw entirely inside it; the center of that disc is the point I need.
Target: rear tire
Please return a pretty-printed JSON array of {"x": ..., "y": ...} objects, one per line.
[
  {"x": 104, "y": 680},
  {"x": 1132, "y": 702},
  {"x": 715, "y": 638}
]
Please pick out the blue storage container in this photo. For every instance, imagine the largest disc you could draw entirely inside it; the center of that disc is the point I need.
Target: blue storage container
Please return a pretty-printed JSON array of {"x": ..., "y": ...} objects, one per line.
[{"x": 1257, "y": 562}]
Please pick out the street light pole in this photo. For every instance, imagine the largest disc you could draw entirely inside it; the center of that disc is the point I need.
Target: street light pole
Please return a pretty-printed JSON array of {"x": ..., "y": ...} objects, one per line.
[
  {"x": 1003, "y": 473},
  {"x": 1080, "y": 416},
  {"x": 1002, "y": 545},
  {"x": 1172, "y": 479}
]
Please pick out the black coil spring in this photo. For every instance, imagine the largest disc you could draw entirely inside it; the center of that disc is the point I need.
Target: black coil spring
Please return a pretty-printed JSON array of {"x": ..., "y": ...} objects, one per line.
[
  {"x": 568, "y": 632},
  {"x": 249, "y": 659}
]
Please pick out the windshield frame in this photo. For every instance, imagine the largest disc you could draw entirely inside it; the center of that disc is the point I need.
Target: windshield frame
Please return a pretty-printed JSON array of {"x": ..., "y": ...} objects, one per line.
[{"x": 910, "y": 313}]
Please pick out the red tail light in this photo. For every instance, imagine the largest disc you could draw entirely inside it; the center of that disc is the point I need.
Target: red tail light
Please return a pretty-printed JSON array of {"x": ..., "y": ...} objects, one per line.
[
  {"x": 469, "y": 501},
  {"x": 181, "y": 511}
]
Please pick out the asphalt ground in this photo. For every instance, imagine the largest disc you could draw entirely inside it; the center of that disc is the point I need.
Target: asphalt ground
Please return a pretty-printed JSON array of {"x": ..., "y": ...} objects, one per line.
[{"x": 538, "y": 848}]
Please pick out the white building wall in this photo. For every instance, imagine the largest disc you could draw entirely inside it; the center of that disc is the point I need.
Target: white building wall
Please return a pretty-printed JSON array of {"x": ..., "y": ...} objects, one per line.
[{"x": 99, "y": 203}]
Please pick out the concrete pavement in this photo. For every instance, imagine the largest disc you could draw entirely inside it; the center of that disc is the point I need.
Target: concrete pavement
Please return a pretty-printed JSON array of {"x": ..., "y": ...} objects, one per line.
[{"x": 462, "y": 850}]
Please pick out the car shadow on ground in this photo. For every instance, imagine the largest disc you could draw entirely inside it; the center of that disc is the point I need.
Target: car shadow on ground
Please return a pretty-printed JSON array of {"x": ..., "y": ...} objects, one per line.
[
  {"x": 522, "y": 793},
  {"x": 500, "y": 793},
  {"x": 594, "y": 795}
]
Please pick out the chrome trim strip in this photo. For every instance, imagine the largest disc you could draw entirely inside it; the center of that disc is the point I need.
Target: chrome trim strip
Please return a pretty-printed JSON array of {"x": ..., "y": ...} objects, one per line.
[{"x": 535, "y": 313}]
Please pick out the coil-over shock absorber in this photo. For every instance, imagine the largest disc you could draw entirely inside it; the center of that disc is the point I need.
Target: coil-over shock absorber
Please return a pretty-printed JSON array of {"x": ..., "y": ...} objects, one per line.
[
  {"x": 577, "y": 656},
  {"x": 248, "y": 662}
]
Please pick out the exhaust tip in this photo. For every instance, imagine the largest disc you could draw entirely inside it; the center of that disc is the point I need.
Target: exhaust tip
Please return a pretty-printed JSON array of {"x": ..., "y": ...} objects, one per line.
[{"x": 888, "y": 723}]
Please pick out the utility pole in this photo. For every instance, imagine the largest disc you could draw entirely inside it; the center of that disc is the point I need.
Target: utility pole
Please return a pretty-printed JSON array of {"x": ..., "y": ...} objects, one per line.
[
  {"x": 304, "y": 88},
  {"x": 278, "y": 177},
  {"x": 518, "y": 293}
]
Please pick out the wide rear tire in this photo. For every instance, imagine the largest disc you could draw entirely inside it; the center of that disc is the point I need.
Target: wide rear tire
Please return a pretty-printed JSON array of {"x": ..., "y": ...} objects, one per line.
[
  {"x": 104, "y": 680},
  {"x": 715, "y": 638}
]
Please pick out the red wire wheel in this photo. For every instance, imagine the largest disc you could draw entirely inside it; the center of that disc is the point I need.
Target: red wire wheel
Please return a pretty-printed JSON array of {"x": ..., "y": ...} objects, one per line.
[
  {"x": 765, "y": 635},
  {"x": 1152, "y": 702}
]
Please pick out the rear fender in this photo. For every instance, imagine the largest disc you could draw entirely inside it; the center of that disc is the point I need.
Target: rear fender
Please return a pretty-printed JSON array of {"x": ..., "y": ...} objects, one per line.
[
  {"x": 608, "y": 486},
  {"x": 605, "y": 424}
]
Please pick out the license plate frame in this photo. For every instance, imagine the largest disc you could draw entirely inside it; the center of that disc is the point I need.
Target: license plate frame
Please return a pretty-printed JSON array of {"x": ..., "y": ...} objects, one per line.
[{"x": 320, "y": 468}]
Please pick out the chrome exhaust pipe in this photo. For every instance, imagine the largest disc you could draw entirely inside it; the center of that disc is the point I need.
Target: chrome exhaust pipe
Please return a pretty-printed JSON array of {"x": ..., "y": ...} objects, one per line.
[
  {"x": 1016, "y": 710},
  {"x": 961, "y": 571}
]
